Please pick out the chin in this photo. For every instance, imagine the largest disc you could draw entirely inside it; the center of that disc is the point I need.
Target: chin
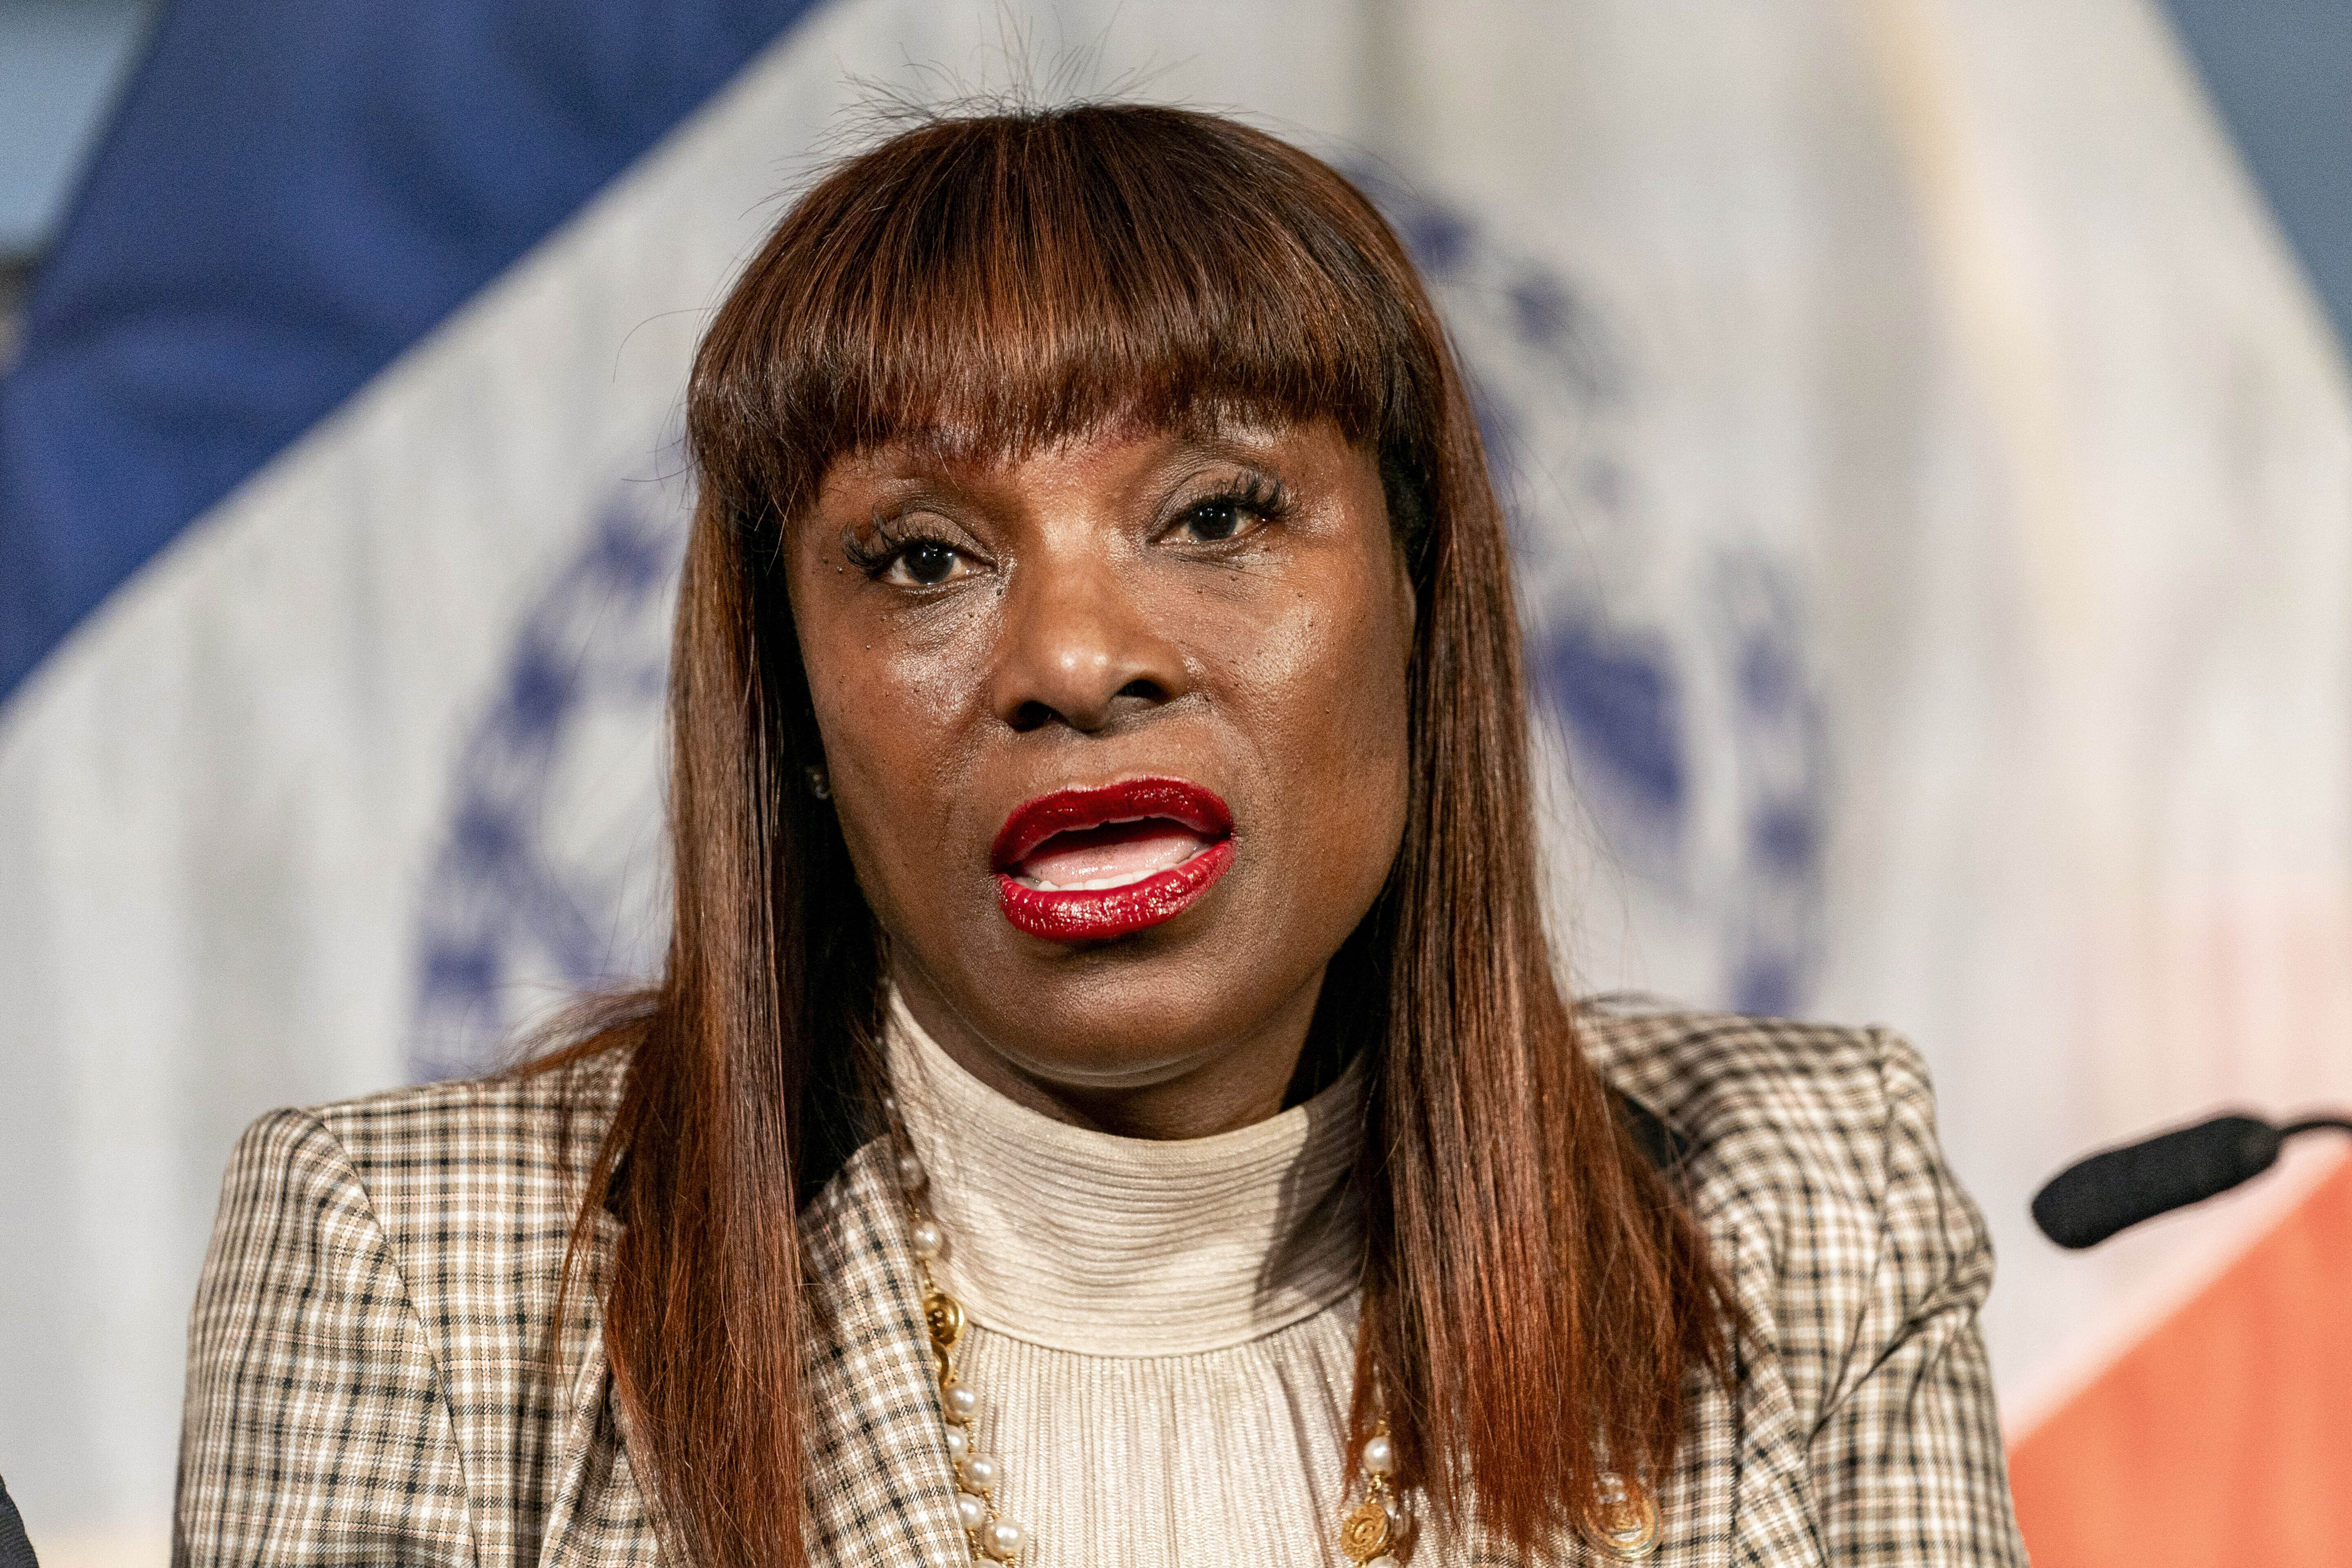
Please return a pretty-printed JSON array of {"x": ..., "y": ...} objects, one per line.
[{"x": 1148, "y": 1008}]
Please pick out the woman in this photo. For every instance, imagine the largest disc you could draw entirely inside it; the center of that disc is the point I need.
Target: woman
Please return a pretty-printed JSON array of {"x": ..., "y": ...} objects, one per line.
[{"x": 1108, "y": 1101}]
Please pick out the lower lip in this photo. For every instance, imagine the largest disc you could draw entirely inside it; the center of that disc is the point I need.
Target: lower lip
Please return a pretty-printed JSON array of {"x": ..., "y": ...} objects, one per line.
[{"x": 1099, "y": 915}]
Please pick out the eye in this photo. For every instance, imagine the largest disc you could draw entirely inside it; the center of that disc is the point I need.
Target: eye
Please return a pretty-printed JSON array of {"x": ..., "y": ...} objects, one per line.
[
  {"x": 1213, "y": 520},
  {"x": 898, "y": 554},
  {"x": 925, "y": 563},
  {"x": 1234, "y": 513}
]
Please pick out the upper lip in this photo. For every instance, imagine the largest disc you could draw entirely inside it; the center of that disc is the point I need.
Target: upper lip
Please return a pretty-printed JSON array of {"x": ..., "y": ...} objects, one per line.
[{"x": 1128, "y": 800}]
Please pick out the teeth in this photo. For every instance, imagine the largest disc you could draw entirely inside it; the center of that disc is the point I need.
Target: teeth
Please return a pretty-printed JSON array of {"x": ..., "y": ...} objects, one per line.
[{"x": 1091, "y": 884}]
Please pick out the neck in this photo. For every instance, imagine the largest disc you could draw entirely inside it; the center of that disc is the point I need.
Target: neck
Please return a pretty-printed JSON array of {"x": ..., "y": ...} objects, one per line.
[
  {"x": 1066, "y": 1237},
  {"x": 1227, "y": 1082}
]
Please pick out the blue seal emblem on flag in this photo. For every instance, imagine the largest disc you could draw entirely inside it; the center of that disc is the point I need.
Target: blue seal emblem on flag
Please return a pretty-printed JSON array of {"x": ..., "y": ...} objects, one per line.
[
  {"x": 1666, "y": 644},
  {"x": 553, "y": 874}
]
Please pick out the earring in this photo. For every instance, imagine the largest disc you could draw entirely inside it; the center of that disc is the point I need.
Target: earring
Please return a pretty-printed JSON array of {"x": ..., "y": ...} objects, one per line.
[{"x": 820, "y": 783}]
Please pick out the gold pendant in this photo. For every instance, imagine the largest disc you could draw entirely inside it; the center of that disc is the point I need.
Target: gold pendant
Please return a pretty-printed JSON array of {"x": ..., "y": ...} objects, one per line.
[
  {"x": 1364, "y": 1534},
  {"x": 943, "y": 1315},
  {"x": 1626, "y": 1526}
]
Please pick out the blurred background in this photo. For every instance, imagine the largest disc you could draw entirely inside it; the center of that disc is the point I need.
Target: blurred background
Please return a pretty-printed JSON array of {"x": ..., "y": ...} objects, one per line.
[
  {"x": 1928, "y": 442},
  {"x": 62, "y": 63}
]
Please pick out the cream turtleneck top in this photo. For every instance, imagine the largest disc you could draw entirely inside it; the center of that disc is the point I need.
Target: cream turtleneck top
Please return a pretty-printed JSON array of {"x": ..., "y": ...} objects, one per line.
[{"x": 1163, "y": 1333}]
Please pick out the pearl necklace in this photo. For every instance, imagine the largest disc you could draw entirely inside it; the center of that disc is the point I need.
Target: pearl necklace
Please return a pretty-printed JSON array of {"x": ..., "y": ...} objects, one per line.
[
  {"x": 977, "y": 1473},
  {"x": 1628, "y": 1529}
]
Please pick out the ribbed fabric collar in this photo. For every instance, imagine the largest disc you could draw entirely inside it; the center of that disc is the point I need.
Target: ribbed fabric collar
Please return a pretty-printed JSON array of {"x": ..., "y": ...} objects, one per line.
[{"x": 1082, "y": 1241}]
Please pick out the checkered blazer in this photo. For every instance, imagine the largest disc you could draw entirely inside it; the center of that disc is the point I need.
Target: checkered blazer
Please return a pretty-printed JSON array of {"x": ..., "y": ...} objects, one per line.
[{"x": 367, "y": 1381}]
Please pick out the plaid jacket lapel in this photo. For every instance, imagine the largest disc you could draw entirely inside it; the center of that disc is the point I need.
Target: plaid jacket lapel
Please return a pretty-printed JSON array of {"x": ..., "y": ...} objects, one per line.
[
  {"x": 598, "y": 1516},
  {"x": 1745, "y": 1465},
  {"x": 879, "y": 1494},
  {"x": 879, "y": 1487}
]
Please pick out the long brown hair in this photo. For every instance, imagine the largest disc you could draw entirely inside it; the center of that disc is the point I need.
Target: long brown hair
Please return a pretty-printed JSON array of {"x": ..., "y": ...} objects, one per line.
[{"x": 1535, "y": 1298}]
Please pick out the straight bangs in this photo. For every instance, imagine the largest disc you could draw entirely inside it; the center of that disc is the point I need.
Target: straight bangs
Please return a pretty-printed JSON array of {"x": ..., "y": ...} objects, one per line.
[{"x": 990, "y": 287}]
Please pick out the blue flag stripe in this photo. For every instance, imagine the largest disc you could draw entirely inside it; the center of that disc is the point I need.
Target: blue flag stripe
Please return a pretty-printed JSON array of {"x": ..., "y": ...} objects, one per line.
[{"x": 289, "y": 196}]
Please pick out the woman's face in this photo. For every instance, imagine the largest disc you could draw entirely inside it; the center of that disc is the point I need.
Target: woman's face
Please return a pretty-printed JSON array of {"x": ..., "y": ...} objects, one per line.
[{"x": 1117, "y": 733}]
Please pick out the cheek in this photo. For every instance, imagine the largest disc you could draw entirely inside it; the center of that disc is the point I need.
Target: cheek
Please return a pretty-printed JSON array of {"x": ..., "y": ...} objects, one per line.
[
  {"x": 893, "y": 718},
  {"x": 1328, "y": 683}
]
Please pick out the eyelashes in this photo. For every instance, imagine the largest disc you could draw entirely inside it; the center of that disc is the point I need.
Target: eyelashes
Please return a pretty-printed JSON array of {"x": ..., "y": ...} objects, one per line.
[
  {"x": 900, "y": 549},
  {"x": 1218, "y": 516},
  {"x": 890, "y": 537}
]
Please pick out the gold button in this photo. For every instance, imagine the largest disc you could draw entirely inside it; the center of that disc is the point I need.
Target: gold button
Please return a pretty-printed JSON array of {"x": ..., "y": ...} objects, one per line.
[{"x": 1625, "y": 1525}]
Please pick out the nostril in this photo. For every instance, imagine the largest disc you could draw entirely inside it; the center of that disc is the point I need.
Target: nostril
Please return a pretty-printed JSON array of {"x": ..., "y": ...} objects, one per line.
[{"x": 1033, "y": 714}]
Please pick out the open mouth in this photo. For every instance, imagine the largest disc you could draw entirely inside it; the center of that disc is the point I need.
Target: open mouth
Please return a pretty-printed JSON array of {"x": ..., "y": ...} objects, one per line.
[{"x": 1084, "y": 865}]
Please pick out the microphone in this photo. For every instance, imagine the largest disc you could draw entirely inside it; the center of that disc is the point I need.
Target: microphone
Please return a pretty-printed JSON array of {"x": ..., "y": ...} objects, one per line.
[{"x": 2113, "y": 1190}]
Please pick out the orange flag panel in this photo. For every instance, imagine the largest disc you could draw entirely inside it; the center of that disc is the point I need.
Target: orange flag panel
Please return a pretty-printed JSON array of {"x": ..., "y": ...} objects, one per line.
[{"x": 2224, "y": 1437}]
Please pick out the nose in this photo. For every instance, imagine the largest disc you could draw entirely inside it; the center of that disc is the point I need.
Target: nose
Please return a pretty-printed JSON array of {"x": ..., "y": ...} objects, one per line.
[{"x": 1079, "y": 648}]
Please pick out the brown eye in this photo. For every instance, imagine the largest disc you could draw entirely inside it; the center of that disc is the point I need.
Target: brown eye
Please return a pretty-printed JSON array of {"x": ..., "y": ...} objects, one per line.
[
  {"x": 928, "y": 561},
  {"x": 925, "y": 563},
  {"x": 1237, "y": 512},
  {"x": 1213, "y": 521}
]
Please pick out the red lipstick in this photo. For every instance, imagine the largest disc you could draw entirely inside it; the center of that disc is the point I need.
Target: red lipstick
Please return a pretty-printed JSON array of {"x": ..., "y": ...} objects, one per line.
[{"x": 1085, "y": 865}]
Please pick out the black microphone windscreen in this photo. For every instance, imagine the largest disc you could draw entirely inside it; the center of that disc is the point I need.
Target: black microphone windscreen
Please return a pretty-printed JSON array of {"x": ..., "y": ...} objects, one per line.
[{"x": 2090, "y": 1200}]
